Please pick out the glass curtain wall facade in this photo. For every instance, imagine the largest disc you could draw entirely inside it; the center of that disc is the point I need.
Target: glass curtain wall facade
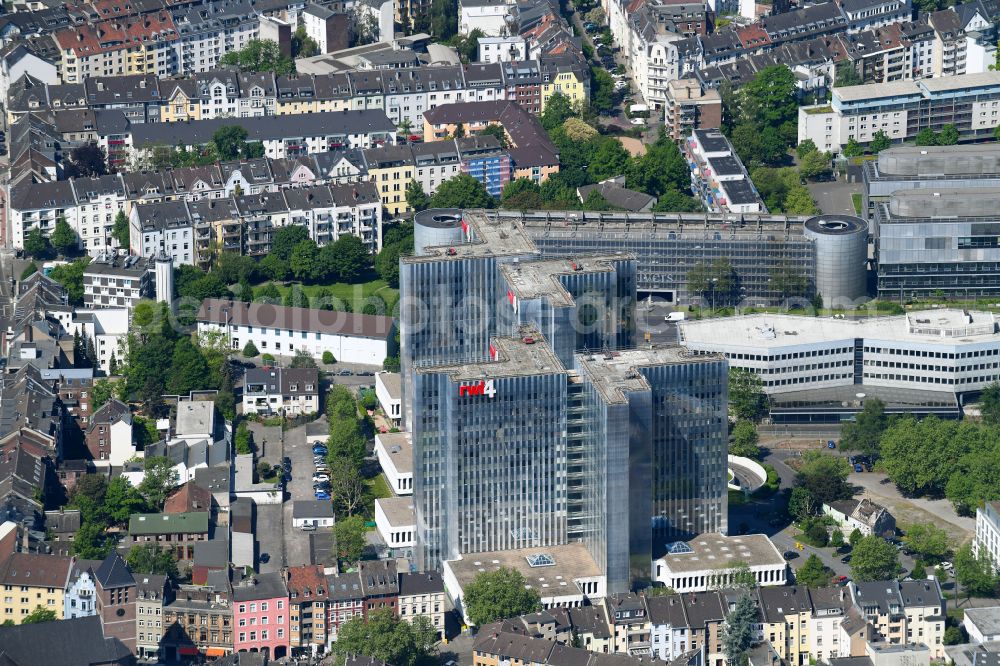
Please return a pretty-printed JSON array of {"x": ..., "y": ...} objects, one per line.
[{"x": 490, "y": 470}]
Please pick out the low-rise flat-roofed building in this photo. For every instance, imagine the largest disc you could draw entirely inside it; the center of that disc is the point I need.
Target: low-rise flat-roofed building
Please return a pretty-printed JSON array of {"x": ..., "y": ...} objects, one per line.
[
  {"x": 941, "y": 240},
  {"x": 935, "y": 351},
  {"x": 921, "y": 167},
  {"x": 982, "y": 624},
  {"x": 707, "y": 561},
  {"x": 564, "y": 576},
  {"x": 395, "y": 456},
  {"x": 388, "y": 390},
  {"x": 397, "y": 524}
]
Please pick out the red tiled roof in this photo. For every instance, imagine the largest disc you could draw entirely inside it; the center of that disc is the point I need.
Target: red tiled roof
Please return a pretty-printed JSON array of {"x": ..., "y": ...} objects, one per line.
[{"x": 116, "y": 34}]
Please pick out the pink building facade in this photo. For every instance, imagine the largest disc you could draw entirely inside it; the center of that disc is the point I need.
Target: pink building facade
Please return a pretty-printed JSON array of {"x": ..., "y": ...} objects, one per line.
[{"x": 260, "y": 615}]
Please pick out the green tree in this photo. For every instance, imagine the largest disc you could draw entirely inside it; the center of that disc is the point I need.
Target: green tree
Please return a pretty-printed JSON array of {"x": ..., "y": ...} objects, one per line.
[
  {"x": 350, "y": 258},
  {"x": 874, "y": 558},
  {"x": 302, "y": 359},
  {"x": 350, "y": 535},
  {"x": 122, "y": 500},
  {"x": 853, "y": 148},
  {"x": 347, "y": 441},
  {"x": 824, "y": 476},
  {"x": 813, "y": 573},
  {"x": 63, "y": 238},
  {"x": 29, "y": 270},
  {"x": 250, "y": 349},
  {"x": 328, "y": 357},
  {"x": 36, "y": 244},
  {"x": 498, "y": 595},
  {"x": 801, "y": 504},
  {"x": 661, "y": 169},
  {"x": 102, "y": 391},
  {"x": 746, "y": 395},
  {"x": 303, "y": 46},
  {"x": 880, "y": 141},
  {"x": 595, "y": 201},
  {"x": 865, "y": 432},
  {"x": 975, "y": 575},
  {"x": 738, "y": 631},
  {"x": 71, "y": 276},
  {"x": 384, "y": 636},
  {"x": 151, "y": 559},
  {"x": 159, "y": 479},
  {"x": 558, "y": 109},
  {"x": 347, "y": 486},
  {"x": 39, "y": 615},
  {"x": 926, "y": 540},
  {"x": 919, "y": 572},
  {"x": 274, "y": 266},
  {"x": 244, "y": 439},
  {"x": 259, "y": 55},
  {"x": 799, "y": 201},
  {"x": 837, "y": 539},
  {"x": 674, "y": 201},
  {"x": 602, "y": 90},
  {"x": 230, "y": 142},
  {"x": 462, "y": 191},
  {"x": 926, "y": 137},
  {"x": 188, "y": 370},
  {"x": 949, "y": 135},
  {"x": 847, "y": 75},
  {"x": 744, "y": 440},
  {"x": 805, "y": 147},
  {"x": 815, "y": 165},
  {"x": 855, "y": 537},
  {"x": 497, "y": 132},
  {"x": 304, "y": 260},
  {"x": 609, "y": 160},
  {"x": 953, "y": 635},
  {"x": 285, "y": 239},
  {"x": 989, "y": 404},
  {"x": 416, "y": 198},
  {"x": 120, "y": 230}
]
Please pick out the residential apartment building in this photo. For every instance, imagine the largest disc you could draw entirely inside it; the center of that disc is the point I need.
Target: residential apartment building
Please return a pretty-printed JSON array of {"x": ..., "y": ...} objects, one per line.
[
  {"x": 421, "y": 594},
  {"x": 689, "y": 106},
  {"x": 281, "y": 390},
  {"x": 109, "y": 436},
  {"x": 901, "y": 613},
  {"x": 379, "y": 584},
  {"x": 198, "y": 620},
  {"x": 307, "y": 603},
  {"x": 151, "y": 592},
  {"x": 261, "y": 615},
  {"x": 176, "y": 531},
  {"x": 113, "y": 281},
  {"x": 28, "y": 581},
  {"x": 904, "y": 108},
  {"x": 81, "y": 589},
  {"x": 718, "y": 176},
  {"x": 345, "y": 600},
  {"x": 280, "y": 330}
]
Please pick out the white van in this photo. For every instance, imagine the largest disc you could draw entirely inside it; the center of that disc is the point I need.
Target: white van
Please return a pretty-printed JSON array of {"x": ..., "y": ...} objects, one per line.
[{"x": 675, "y": 316}]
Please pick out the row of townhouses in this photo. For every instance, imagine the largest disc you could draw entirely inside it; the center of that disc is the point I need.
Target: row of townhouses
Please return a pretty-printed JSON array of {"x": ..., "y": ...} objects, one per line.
[
  {"x": 799, "y": 625},
  {"x": 229, "y": 203},
  {"x": 403, "y": 93},
  {"x": 876, "y": 39}
]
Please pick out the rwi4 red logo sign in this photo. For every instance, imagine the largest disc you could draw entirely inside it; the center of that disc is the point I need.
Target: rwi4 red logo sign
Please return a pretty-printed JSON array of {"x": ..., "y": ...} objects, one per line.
[{"x": 479, "y": 388}]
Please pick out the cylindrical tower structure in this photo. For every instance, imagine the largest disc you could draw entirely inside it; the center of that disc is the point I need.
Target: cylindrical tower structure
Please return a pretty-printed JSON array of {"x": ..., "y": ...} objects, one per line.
[
  {"x": 164, "y": 267},
  {"x": 841, "y": 258},
  {"x": 436, "y": 227}
]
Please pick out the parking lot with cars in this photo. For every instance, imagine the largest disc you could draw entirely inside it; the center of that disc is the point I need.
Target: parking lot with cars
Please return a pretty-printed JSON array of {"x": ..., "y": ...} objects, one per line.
[{"x": 300, "y": 471}]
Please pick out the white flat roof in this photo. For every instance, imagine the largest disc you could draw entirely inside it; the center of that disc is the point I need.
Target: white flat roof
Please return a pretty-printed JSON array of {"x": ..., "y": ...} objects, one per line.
[
  {"x": 718, "y": 551},
  {"x": 770, "y": 331}
]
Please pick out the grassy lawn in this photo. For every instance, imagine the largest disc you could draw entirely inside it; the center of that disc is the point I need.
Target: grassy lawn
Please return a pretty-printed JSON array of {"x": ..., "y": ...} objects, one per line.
[
  {"x": 355, "y": 294},
  {"x": 379, "y": 487},
  {"x": 856, "y": 198}
]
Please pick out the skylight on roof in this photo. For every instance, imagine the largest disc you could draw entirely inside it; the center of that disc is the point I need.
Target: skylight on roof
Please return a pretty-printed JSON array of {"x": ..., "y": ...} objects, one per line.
[
  {"x": 679, "y": 548},
  {"x": 540, "y": 560}
]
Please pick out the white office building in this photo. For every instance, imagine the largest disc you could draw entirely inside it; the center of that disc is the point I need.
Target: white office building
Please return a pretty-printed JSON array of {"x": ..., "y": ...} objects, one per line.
[
  {"x": 988, "y": 534},
  {"x": 395, "y": 455},
  {"x": 707, "y": 562},
  {"x": 949, "y": 351}
]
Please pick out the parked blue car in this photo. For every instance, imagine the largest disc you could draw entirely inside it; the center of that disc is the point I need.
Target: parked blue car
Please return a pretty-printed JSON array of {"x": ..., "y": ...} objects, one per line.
[
  {"x": 319, "y": 450},
  {"x": 322, "y": 496}
]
